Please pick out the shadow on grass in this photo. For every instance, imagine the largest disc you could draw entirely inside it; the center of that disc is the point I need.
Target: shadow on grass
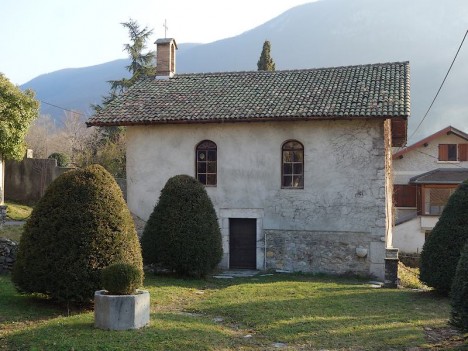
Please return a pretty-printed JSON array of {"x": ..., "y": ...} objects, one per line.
[
  {"x": 300, "y": 310},
  {"x": 17, "y": 307},
  {"x": 166, "y": 332},
  {"x": 356, "y": 317}
]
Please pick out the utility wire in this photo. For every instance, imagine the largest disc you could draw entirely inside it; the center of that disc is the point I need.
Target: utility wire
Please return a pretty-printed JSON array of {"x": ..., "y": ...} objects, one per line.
[
  {"x": 440, "y": 88},
  {"x": 63, "y": 108},
  {"x": 453, "y": 164}
]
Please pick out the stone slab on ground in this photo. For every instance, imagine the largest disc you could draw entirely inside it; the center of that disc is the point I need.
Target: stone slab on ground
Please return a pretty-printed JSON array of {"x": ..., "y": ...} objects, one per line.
[
  {"x": 9, "y": 222},
  {"x": 236, "y": 273}
]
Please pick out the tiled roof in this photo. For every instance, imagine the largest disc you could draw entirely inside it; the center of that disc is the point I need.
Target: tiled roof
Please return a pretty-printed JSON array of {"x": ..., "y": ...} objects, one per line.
[
  {"x": 366, "y": 91},
  {"x": 442, "y": 176}
]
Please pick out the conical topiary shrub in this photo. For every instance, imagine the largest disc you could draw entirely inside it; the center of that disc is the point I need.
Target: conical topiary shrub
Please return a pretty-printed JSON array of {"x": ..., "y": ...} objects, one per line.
[
  {"x": 182, "y": 234},
  {"x": 80, "y": 226},
  {"x": 459, "y": 293},
  {"x": 442, "y": 249}
]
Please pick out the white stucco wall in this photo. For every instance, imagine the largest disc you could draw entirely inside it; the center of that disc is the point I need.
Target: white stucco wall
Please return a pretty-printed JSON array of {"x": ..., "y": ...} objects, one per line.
[
  {"x": 344, "y": 185},
  {"x": 409, "y": 237}
]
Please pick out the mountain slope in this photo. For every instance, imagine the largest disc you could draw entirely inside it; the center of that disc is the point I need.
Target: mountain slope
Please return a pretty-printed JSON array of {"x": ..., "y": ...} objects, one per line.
[{"x": 341, "y": 32}]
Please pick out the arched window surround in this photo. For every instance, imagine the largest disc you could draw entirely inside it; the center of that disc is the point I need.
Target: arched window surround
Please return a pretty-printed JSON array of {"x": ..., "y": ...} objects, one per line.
[
  {"x": 292, "y": 165},
  {"x": 206, "y": 163}
]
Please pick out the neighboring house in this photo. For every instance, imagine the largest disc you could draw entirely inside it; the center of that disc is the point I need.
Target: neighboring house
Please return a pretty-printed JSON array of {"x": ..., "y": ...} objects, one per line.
[
  {"x": 297, "y": 163},
  {"x": 425, "y": 175}
]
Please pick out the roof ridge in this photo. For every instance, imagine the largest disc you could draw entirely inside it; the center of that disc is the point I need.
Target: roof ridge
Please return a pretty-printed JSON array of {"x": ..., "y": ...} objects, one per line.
[{"x": 224, "y": 73}]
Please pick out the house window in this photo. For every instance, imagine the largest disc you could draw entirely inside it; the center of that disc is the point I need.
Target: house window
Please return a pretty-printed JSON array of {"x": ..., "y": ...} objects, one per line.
[
  {"x": 404, "y": 195},
  {"x": 292, "y": 170},
  {"x": 462, "y": 152},
  {"x": 435, "y": 199},
  {"x": 206, "y": 163},
  {"x": 447, "y": 152}
]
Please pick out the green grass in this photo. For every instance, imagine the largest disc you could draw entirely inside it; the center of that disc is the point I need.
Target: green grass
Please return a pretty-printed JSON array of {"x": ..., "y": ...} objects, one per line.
[
  {"x": 12, "y": 232},
  {"x": 301, "y": 311},
  {"x": 17, "y": 211}
]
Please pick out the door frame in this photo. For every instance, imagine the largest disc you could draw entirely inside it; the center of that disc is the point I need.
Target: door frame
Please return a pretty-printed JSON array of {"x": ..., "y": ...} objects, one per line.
[{"x": 254, "y": 213}]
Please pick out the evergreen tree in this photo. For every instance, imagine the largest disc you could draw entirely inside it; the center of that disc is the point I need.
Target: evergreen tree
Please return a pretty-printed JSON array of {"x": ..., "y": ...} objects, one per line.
[
  {"x": 442, "y": 249},
  {"x": 459, "y": 293},
  {"x": 142, "y": 64},
  {"x": 265, "y": 63}
]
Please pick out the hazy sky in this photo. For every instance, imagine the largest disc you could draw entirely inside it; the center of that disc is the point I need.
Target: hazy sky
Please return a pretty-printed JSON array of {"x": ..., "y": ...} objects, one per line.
[{"x": 41, "y": 36}]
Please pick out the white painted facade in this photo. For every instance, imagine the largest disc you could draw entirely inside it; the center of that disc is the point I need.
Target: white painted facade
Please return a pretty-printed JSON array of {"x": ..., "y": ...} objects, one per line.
[
  {"x": 345, "y": 183},
  {"x": 410, "y": 235}
]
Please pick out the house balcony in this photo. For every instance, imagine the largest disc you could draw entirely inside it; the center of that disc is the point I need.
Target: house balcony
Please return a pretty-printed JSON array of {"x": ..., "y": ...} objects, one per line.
[{"x": 428, "y": 222}]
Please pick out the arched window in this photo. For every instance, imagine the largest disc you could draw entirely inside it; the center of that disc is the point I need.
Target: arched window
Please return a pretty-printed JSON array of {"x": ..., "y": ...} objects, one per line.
[
  {"x": 292, "y": 167},
  {"x": 206, "y": 163}
]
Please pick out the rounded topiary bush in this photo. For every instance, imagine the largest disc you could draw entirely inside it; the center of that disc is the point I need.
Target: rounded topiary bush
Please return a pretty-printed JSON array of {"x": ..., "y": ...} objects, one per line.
[
  {"x": 459, "y": 293},
  {"x": 441, "y": 251},
  {"x": 121, "y": 278},
  {"x": 62, "y": 159},
  {"x": 80, "y": 226},
  {"x": 182, "y": 234}
]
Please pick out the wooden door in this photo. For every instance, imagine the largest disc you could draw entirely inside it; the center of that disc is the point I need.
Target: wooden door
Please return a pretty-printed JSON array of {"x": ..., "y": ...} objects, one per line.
[{"x": 243, "y": 243}]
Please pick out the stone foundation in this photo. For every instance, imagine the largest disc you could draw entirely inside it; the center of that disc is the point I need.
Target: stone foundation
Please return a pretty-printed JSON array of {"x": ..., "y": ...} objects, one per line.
[
  {"x": 3, "y": 212},
  {"x": 8, "y": 250},
  {"x": 321, "y": 252}
]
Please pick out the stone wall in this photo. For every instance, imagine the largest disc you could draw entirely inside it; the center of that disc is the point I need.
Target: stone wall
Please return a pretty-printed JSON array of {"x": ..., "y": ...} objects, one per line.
[
  {"x": 318, "y": 252},
  {"x": 27, "y": 180},
  {"x": 8, "y": 250},
  {"x": 3, "y": 213}
]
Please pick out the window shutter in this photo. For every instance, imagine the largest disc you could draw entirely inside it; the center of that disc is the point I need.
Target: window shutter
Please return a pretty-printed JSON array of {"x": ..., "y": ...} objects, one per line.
[
  {"x": 443, "y": 152},
  {"x": 462, "y": 152},
  {"x": 404, "y": 195}
]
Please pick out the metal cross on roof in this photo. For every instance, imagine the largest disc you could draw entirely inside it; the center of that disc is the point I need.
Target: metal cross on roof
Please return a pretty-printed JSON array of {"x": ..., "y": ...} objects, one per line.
[{"x": 165, "y": 28}]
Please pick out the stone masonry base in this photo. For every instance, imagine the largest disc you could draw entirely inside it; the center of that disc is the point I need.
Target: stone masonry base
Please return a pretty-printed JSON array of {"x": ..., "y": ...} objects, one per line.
[{"x": 323, "y": 252}]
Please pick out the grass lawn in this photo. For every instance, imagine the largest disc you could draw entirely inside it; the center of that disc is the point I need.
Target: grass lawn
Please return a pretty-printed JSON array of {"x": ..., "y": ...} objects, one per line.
[
  {"x": 278, "y": 312},
  {"x": 17, "y": 211}
]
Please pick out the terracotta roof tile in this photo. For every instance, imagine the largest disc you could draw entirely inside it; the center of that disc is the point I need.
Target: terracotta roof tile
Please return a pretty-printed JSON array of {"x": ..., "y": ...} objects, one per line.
[{"x": 366, "y": 91}]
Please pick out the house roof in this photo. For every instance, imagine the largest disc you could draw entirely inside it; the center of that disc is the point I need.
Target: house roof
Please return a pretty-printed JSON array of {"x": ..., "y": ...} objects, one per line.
[
  {"x": 442, "y": 176},
  {"x": 366, "y": 91},
  {"x": 446, "y": 131}
]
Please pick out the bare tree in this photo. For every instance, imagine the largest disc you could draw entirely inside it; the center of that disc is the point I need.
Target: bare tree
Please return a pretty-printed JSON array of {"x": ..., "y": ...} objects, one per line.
[
  {"x": 75, "y": 134},
  {"x": 42, "y": 137}
]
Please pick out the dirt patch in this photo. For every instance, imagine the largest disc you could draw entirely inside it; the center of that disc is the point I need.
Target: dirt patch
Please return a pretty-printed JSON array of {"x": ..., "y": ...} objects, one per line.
[{"x": 446, "y": 338}]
